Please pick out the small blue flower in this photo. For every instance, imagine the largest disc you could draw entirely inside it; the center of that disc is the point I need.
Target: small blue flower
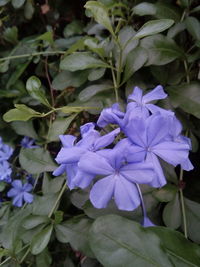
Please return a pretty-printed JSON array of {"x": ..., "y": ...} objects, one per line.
[
  {"x": 5, "y": 171},
  {"x": 71, "y": 152},
  {"x": 28, "y": 142},
  {"x": 5, "y": 151},
  {"x": 119, "y": 180},
  {"x": 20, "y": 193}
]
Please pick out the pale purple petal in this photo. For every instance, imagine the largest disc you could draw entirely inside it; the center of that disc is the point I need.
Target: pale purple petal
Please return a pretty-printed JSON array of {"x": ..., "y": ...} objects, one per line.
[
  {"x": 28, "y": 197},
  {"x": 106, "y": 139},
  {"x": 95, "y": 164},
  {"x": 136, "y": 95},
  {"x": 155, "y": 94},
  {"x": 89, "y": 139},
  {"x": 27, "y": 187},
  {"x": 70, "y": 155},
  {"x": 18, "y": 200},
  {"x": 155, "y": 109},
  {"x": 187, "y": 165},
  {"x": 141, "y": 173},
  {"x": 111, "y": 115},
  {"x": 13, "y": 192},
  {"x": 135, "y": 153},
  {"x": 160, "y": 179},
  {"x": 86, "y": 128},
  {"x": 60, "y": 170},
  {"x": 71, "y": 170},
  {"x": 126, "y": 194},
  {"x": 17, "y": 184},
  {"x": 102, "y": 192},
  {"x": 67, "y": 140},
  {"x": 147, "y": 222},
  {"x": 83, "y": 179},
  {"x": 172, "y": 152}
]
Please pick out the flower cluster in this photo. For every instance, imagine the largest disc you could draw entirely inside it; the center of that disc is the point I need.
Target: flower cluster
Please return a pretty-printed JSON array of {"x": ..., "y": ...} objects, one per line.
[
  {"x": 5, "y": 170},
  {"x": 151, "y": 133}
]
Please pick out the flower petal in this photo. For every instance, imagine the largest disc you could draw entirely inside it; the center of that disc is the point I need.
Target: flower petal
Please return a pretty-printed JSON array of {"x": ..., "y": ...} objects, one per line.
[
  {"x": 17, "y": 184},
  {"x": 141, "y": 173},
  {"x": 13, "y": 192},
  {"x": 28, "y": 197},
  {"x": 106, "y": 139},
  {"x": 86, "y": 128},
  {"x": 70, "y": 155},
  {"x": 60, "y": 170},
  {"x": 18, "y": 200},
  {"x": 155, "y": 94},
  {"x": 95, "y": 164},
  {"x": 136, "y": 95},
  {"x": 110, "y": 115},
  {"x": 147, "y": 222},
  {"x": 160, "y": 179},
  {"x": 102, "y": 192},
  {"x": 71, "y": 170},
  {"x": 126, "y": 195},
  {"x": 67, "y": 140},
  {"x": 155, "y": 109},
  {"x": 83, "y": 179},
  {"x": 187, "y": 165},
  {"x": 172, "y": 152},
  {"x": 135, "y": 153},
  {"x": 27, "y": 187}
]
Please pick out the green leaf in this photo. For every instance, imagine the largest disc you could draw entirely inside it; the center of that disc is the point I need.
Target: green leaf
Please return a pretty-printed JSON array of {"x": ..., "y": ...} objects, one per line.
[
  {"x": 96, "y": 74},
  {"x": 144, "y": 8},
  {"x": 43, "y": 205},
  {"x": 24, "y": 128},
  {"x": 166, "y": 193},
  {"x": 193, "y": 27},
  {"x": 154, "y": 26},
  {"x": 4, "y": 2},
  {"x": 44, "y": 259},
  {"x": 135, "y": 60},
  {"x": 182, "y": 252},
  {"x": 100, "y": 13},
  {"x": 17, "y": 3},
  {"x": 51, "y": 186},
  {"x": 29, "y": 9},
  {"x": 81, "y": 61},
  {"x": 41, "y": 240},
  {"x": 33, "y": 86},
  {"x": 47, "y": 36},
  {"x": 161, "y": 50},
  {"x": 94, "y": 47},
  {"x": 193, "y": 219},
  {"x": 11, "y": 35},
  {"x": 187, "y": 97},
  {"x": 65, "y": 79},
  {"x": 117, "y": 241},
  {"x": 20, "y": 113},
  {"x": 59, "y": 126},
  {"x": 32, "y": 221},
  {"x": 94, "y": 89},
  {"x": 75, "y": 231},
  {"x": 36, "y": 160},
  {"x": 73, "y": 28},
  {"x": 70, "y": 109},
  {"x": 172, "y": 216}
]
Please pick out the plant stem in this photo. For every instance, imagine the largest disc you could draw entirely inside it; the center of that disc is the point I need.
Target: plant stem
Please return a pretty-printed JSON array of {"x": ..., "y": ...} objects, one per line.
[
  {"x": 183, "y": 205},
  {"x": 115, "y": 85},
  {"x": 9, "y": 258},
  {"x": 142, "y": 201},
  {"x": 25, "y": 255},
  {"x": 57, "y": 200},
  {"x": 33, "y": 54}
]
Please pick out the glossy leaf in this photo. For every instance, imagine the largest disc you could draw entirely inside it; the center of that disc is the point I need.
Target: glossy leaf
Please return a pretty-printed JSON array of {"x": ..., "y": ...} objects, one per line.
[
  {"x": 41, "y": 240},
  {"x": 193, "y": 26},
  {"x": 81, "y": 61},
  {"x": 154, "y": 26},
  {"x": 33, "y": 86},
  {"x": 17, "y": 3},
  {"x": 24, "y": 128},
  {"x": 36, "y": 160},
  {"x": 32, "y": 221},
  {"x": 100, "y": 13}
]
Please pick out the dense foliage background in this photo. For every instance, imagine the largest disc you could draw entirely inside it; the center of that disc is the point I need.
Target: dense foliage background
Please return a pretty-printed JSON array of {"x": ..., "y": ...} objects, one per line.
[{"x": 60, "y": 64}]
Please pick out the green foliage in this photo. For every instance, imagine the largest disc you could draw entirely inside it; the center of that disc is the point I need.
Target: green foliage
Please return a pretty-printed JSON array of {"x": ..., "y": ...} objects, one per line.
[{"x": 61, "y": 63}]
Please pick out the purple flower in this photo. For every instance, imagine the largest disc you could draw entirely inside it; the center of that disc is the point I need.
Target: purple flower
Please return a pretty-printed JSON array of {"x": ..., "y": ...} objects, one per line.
[
  {"x": 71, "y": 152},
  {"x": 119, "y": 178},
  {"x": 5, "y": 171},
  {"x": 5, "y": 151},
  {"x": 20, "y": 193},
  {"x": 151, "y": 139},
  {"x": 28, "y": 142}
]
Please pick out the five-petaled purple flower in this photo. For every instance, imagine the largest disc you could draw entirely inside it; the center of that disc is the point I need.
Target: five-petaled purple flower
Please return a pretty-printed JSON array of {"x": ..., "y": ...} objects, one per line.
[{"x": 20, "y": 193}]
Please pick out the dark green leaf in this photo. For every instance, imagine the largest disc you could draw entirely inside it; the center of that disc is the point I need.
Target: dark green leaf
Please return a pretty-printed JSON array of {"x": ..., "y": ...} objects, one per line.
[
  {"x": 43, "y": 205},
  {"x": 81, "y": 61},
  {"x": 135, "y": 60},
  {"x": 144, "y": 8},
  {"x": 51, "y": 186},
  {"x": 29, "y": 9},
  {"x": 154, "y": 26},
  {"x": 4, "y": 2},
  {"x": 66, "y": 79},
  {"x": 41, "y": 240},
  {"x": 17, "y": 3},
  {"x": 94, "y": 89},
  {"x": 172, "y": 216},
  {"x": 182, "y": 252},
  {"x": 36, "y": 160},
  {"x": 193, "y": 219},
  {"x": 11, "y": 35},
  {"x": 59, "y": 126},
  {"x": 34, "y": 220},
  {"x": 117, "y": 241},
  {"x": 75, "y": 231},
  {"x": 100, "y": 13},
  {"x": 33, "y": 86},
  {"x": 96, "y": 74},
  {"x": 43, "y": 259},
  {"x": 166, "y": 193},
  {"x": 187, "y": 97},
  {"x": 24, "y": 128},
  {"x": 193, "y": 26},
  {"x": 73, "y": 28},
  {"x": 20, "y": 113}
]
